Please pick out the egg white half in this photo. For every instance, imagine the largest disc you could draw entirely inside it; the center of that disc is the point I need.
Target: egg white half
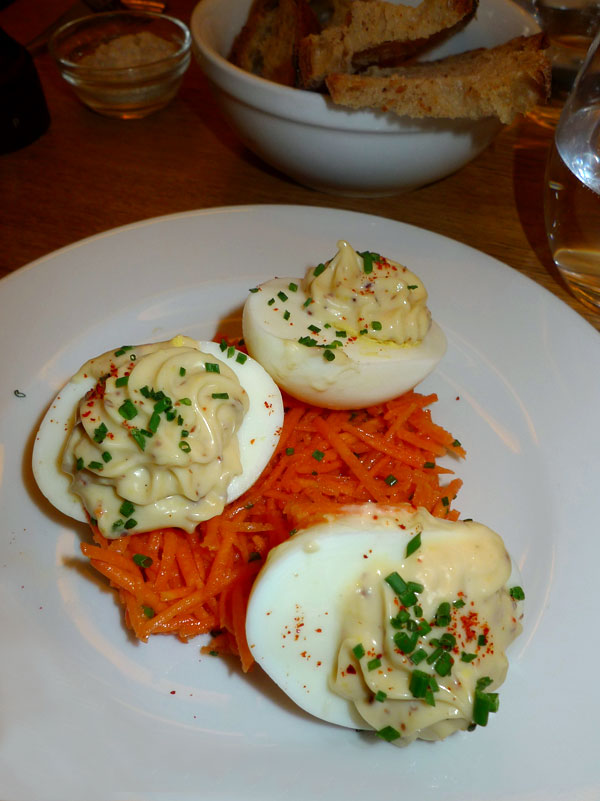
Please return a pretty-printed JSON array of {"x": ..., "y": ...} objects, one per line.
[
  {"x": 258, "y": 435},
  {"x": 363, "y": 370},
  {"x": 295, "y": 614}
]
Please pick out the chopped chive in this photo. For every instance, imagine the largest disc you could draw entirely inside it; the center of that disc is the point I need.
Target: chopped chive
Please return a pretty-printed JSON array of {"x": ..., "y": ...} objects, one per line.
[
  {"x": 79, "y": 464},
  {"x": 293, "y": 287},
  {"x": 182, "y": 371},
  {"x": 185, "y": 446},
  {"x": 417, "y": 611},
  {"x": 142, "y": 560},
  {"x": 412, "y": 286},
  {"x": 388, "y": 733},
  {"x": 241, "y": 358},
  {"x": 367, "y": 261},
  {"x": 517, "y": 593},
  {"x": 405, "y": 642},
  {"x": 185, "y": 401},
  {"x": 341, "y": 334},
  {"x": 364, "y": 331},
  {"x": 286, "y": 314},
  {"x": 358, "y": 651},
  {"x": 220, "y": 395},
  {"x": 289, "y": 451},
  {"x": 282, "y": 296},
  {"x": 179, "y": 420},
  {"x": 483, "y": 704},
  {"x": 127, "y": 410},
  {"x": 423, "y": 627},
  {"x": 139, "y": 438},
  {"x": 126, "y": 509},
  {"x": 318, "y": 269},
  {"x": 442, "y": 615},
  {"x": 162, "y": 404},
  {"x": 254, "y": 556},
  {"x": 117, "y": 525},
  {"x": 376, "y": 325},
  {"x": 123, "y": 349},
  {"x": 254, "y": 289},
  {"x": 212, "y": 367},
  {"x": 465, "y": 657},
  {"x": 447, "y": 640},
  {"x": 131, "y": 523},
  {"x": 429, "y": 465},
  {"x": 318, "y": 455},
  {"x": 400, "y": 620},
  {"x": 458, "y": 604},
  {"x": 170, "y": 414},
  {"x": 443, "y": 665},
  {"x": 435, "y": 655},
  {"x": 307, "y": 302},
  {"x": 100, "y": 433},
  {"x": 414, "y": 544},
  {"x": 271, "y": 301},
  {"x": 148, "y": 611},
  {"x": 154, "y": 422},
  {"x": 106, "y": 456},
  {"x": 482, "y": 640},
  {"x": 391, "y": 480},
  {"x": 95, "y": 465},
  {"x": 122, "y": 381},
  {"x": 328, "y": 355},
  {"x": 314, "y": 328},
  {"x": 380, "y": 696},
  {"x": 373, "y": 664},
  {"x": 418, "y": 656},
  {"x": 309, "y": 342},
  {"x": 456, "y": 444},
  {"x": 184, "y": 433},
  {"x": 222, "y": 346},
  {"x": 445, "y": 501},
  {"x": 396, "y": 583},
  {"x": 483, "y": 682}
]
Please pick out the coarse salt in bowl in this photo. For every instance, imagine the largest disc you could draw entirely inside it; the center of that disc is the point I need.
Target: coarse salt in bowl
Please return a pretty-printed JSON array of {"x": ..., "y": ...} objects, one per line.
[
  {"x": 338, "y": 150},
  {"x": 124, "y": 64}
]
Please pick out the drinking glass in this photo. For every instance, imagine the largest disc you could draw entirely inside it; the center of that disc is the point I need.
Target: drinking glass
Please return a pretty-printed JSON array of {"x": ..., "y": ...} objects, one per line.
[
  {"x": 572, "y": 185},
  {"x": 570, "y": 26}
]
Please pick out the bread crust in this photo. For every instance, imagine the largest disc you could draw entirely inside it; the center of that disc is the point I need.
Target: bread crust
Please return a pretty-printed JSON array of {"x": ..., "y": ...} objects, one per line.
[
  {"x": 268, "y": 43},
  {"x": 376, "y": 27},
  {"x": 502, "y": 81}
]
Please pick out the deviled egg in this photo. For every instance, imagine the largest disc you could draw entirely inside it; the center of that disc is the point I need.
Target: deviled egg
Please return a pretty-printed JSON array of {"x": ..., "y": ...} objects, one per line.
[
  {"x": 389, "y": 620},
  {"x": 157, "y": 435},
  {"x": 355, "y": 331}
]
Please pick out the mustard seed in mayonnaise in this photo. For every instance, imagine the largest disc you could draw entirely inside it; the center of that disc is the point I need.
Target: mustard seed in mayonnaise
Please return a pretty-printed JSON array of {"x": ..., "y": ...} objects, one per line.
[
  {"x": 155, "y": 443},
  {"x": 423, "y": 644},
  {"x": 369, "y": 294}
]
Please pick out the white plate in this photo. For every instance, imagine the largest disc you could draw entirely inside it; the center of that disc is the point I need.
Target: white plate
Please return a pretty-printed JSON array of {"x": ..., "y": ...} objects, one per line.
[{"x": 88, "y": 714}]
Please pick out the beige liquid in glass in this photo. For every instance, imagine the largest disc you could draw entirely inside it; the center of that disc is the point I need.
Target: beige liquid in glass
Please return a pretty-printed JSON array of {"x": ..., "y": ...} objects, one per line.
[{"x": 572, "y": 211}]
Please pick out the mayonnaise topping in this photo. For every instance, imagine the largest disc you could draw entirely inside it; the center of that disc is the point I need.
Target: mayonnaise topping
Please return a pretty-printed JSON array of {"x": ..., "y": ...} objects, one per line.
[
  {"x": 155, "y": 441},
  {"x": 424, "y": 639},
  {"x": 366, "y": 291}
]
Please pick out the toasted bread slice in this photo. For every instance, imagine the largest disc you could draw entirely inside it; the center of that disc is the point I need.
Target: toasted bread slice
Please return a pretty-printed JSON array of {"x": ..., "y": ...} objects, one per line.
[
  {"x": 267, "y": 45},
  {"x": 371, "y": 25},
  {"x": 501, "y": 81}
]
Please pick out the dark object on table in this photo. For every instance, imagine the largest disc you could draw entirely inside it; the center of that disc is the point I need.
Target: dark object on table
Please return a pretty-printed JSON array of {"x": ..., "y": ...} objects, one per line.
[{"x": 23, "y": 111}]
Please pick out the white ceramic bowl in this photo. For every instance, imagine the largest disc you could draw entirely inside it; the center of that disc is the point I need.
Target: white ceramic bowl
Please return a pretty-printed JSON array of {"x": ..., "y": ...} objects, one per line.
[{"x": 337, "y": 150}]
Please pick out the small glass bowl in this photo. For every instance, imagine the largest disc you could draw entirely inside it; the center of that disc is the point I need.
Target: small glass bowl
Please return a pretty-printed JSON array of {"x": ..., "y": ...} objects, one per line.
[{"x": 124, "y": 64}]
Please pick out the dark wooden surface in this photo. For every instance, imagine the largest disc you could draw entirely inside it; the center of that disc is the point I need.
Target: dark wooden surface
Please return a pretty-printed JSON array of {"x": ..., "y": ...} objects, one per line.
[{"x": 89, "y": 173}]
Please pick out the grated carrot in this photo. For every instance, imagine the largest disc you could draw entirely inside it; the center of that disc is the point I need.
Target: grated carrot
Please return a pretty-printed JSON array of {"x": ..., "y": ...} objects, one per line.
[{"x": 197, "y": 583}]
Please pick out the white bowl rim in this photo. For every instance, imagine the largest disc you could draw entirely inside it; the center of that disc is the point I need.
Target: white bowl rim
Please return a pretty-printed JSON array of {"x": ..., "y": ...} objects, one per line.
[{"x": 312, "y": 107}]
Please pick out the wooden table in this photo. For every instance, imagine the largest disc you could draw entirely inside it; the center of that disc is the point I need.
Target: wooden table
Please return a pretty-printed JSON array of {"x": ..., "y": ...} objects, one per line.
[{"x": 89, "y": 173}]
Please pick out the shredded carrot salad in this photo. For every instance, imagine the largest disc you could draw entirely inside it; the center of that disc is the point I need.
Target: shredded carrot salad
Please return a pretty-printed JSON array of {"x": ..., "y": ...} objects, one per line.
[{"x": 171, "y": 582}]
